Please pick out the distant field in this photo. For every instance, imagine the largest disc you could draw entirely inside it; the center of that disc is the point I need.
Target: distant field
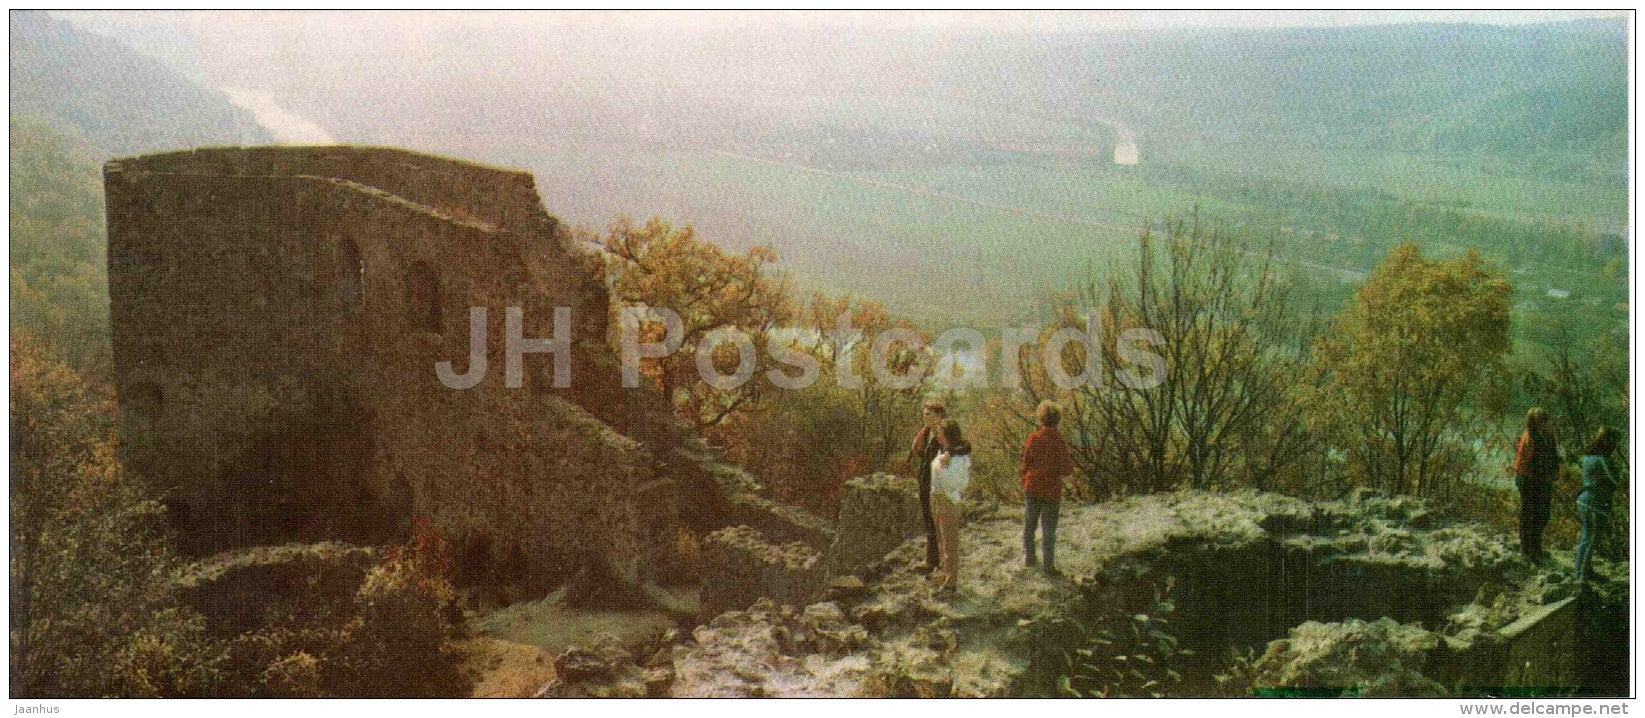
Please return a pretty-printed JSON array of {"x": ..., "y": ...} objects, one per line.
[
  {"x": 983, "y": 242},
  {"x": 927, "y": 256},
  {"x": 1105, "y": 194},
  {"x": 1441, "y": 180}
]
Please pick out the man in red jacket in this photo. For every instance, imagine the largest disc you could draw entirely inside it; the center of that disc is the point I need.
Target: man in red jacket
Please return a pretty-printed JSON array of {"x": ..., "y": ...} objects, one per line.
[{"x": 1045, "y": 462}]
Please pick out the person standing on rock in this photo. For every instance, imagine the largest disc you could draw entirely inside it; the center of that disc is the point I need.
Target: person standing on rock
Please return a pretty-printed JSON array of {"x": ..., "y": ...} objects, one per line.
[
  {"x": 927, "y": 444},
  {"x": 1536, "y": 465},
  {"x": 950, "y": 474},
  {"x": 1593, "y": 505},
  {"x": 1046, "y": 461}
]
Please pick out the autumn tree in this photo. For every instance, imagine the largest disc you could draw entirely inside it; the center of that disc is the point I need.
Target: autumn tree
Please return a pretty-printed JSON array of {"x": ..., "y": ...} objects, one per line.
[
  {"x": 1583, "y": 384},
  {"x": 712, "y": 290},
  {"x": 1228, "y": 404},
  {"x": 1419, "y": 343},
  {"x": 809, "y": 440},
  {"x": 804, "y": 438},
  {"x": 1228, "y": 409},
  {"x": 888, "y": 413},
  {"x": 93, "y": 608}
]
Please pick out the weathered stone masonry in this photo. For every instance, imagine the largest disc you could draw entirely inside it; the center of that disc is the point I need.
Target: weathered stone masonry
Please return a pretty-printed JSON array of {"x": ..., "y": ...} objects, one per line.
[{"x": 277, "y": 315}]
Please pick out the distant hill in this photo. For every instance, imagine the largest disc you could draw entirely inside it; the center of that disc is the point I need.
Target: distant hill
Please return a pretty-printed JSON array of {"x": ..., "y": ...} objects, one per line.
[
  {"x": 78, "y": 99},
  {"x": 749, "y": 131},
  {"x": 119, "y": 101},
  {"x": 1556, "y": 87},
  {"x": 1534, "y": 93}
]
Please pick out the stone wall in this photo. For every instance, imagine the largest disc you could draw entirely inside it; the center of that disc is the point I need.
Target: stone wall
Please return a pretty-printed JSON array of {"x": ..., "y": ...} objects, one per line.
[
  {"x": 740, "y": 567},
  {"x": 1576, "y": 645},
  {"x": 1541, "y": 649},
  {"x": 789, "y": 556},
  {"x": 237, "y": 590},
  {"x": 780, "y": 522},
  {"x": 877, "y": 514},
  {"x": 277, "y": 314},
  {"x": 275, "y": 335},
  {"x": 456, "y": 188}
]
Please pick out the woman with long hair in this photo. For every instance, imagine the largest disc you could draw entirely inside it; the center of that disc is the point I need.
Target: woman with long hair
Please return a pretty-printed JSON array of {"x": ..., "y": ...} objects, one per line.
[
  {"x": 1593, "y": 505},
  {"x": 1536, "y": 465},
  {"x": 950, "y": 474}
]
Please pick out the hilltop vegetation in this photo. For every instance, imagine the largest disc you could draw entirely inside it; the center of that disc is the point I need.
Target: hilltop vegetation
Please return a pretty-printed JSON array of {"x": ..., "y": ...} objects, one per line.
[
  {"x": 1315, "y": 207},
  {"x": 77, "y": 100},
  {"x": 59, "y": 269},
  {"x": 115, "y": 99}
]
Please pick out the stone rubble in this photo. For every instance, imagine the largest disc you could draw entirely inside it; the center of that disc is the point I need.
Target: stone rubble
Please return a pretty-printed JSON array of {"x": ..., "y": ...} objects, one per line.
[{"x": 883, "y": 630}]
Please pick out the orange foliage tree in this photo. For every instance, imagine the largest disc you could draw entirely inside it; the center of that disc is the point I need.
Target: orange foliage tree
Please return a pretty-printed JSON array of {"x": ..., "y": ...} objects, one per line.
[
  {"x": 810, "y": 441},
  {"x": 93, "y": 611},
  {"x": 660, "y": 265},
  {"x": 804, "y": 442}
]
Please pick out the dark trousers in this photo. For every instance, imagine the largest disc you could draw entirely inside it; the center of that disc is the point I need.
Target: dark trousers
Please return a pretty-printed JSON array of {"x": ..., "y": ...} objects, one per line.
[
  {"x": 1043, "y": 513},
  {"x": 931, "y": 558},
  {"x": 1535, "y": 506}
]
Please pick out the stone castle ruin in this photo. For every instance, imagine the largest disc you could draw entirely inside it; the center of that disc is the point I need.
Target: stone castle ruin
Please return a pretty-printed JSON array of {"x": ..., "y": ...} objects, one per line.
[{"x": 277, "y": 315}]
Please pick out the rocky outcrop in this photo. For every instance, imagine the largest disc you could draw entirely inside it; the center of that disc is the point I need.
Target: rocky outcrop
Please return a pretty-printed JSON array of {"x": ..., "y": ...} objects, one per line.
[
  {"x": 740, "y": 567},
  {"x": 877, "y": 514},
  {"x": 773, "y": 650},
  {"x": 602, "y": 669},
  {"x": 1545, "y": 635},
  {"x": 1368, "y": 658},
  {"x": 1418, "y": 598}
]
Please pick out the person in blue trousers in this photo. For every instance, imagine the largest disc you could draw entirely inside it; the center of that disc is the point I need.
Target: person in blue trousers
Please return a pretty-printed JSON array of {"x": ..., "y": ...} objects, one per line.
[{"x": 1593, "y": 505}]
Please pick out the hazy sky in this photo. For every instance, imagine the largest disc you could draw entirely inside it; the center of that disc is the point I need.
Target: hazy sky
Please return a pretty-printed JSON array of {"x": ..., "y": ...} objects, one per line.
[{"x": 1039, "y": 20}]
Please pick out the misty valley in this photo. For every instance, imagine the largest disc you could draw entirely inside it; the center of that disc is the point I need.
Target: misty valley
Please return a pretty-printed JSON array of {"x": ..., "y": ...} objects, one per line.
[{"x": 1111, "y": 354}]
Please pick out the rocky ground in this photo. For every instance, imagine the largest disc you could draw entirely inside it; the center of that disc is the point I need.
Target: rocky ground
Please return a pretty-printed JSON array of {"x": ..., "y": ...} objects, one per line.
[
  {"x": 511, "y": 652},
  {"x": 1250, "y": 568}
]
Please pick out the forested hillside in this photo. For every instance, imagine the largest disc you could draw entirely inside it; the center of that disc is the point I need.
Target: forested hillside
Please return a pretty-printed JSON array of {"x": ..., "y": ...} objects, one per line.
[
  {"x": 59, "y": 282},
  {"x": 1554, "y": 87},
  {"x": 119, "y": 101},
  {"x": 77, "y": 100}
]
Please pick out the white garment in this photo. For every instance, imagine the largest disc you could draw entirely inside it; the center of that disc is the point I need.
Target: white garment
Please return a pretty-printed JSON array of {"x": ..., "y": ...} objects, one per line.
[{"x": 951, "y": 482}]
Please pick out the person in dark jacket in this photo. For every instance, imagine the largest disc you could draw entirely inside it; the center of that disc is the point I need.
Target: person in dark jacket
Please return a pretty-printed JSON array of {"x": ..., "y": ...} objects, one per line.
[
  {"x": 1045, "y": 462},
  {"x": 927, "y": 444},
  {"x": 1536, "y": 466},
  {"x": 1593, "y": 505}
]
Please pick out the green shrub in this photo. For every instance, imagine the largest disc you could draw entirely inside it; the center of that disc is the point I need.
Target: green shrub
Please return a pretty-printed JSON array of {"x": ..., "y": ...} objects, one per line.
[
  {"x": 399, "y": 641},
  {"x": 297, "y": 675},
  {"x": 390, "y": 639},
  {"x": 1126, "y": 655},
  {"x": 172, "y": 657},
  {"x": 93, "y": 612}
]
